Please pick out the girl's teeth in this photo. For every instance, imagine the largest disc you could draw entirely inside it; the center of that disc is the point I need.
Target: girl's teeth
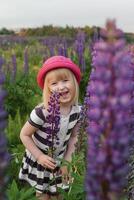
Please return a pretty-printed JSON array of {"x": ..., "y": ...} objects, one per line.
[{"x": 63, "y": 93}]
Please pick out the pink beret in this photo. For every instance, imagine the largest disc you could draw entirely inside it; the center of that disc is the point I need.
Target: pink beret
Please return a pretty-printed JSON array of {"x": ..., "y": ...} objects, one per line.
[{"x": 57, "y": 62}]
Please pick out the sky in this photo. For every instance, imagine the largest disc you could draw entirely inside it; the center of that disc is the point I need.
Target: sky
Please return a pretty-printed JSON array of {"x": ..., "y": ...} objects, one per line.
[{"x": 15, "y": 14}]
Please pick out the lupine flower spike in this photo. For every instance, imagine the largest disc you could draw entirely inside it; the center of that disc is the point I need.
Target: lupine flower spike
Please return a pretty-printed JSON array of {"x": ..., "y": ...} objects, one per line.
[
  {"x": 80, "y": 48},
  {"x": 53, "y": 119},
  {"x": 130, "y": 187},
  {"x": 4, "y": 156},
  {"x": 108, "y": 113}
]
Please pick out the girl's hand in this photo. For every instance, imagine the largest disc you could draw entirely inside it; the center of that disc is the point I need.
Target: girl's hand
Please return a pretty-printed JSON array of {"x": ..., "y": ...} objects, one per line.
[
  {"x": 46, "y": 161},
  {"x": 66, "y": 177}
]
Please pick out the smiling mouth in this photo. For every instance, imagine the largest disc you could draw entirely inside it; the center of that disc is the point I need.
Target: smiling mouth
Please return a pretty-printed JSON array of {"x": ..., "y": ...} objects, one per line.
[{"x": 63, "y": 93}]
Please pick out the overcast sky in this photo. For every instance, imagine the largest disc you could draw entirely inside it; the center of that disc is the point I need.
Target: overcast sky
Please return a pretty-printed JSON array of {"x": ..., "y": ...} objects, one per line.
[{"x": 35, "y": 13}]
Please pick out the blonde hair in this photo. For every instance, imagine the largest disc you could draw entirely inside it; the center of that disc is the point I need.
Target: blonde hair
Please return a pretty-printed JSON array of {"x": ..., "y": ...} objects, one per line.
[{"x": 59, "y": 73}]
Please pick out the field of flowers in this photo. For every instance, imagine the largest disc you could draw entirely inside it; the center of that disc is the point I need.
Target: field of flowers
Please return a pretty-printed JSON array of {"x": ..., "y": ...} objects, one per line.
[
  {"x": 19, "y": 63},
  {"x": 109, "y": 114}
]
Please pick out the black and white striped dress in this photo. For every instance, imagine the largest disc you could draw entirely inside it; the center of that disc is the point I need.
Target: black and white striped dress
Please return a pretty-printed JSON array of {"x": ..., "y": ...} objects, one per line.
[{"x": 32, "y": 172}]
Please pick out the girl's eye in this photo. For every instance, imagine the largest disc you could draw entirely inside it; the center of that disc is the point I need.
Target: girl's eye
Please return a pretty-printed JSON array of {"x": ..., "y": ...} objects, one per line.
[
  {"x": 54, "y": 83},
  {"x": 65, "y": 80}
]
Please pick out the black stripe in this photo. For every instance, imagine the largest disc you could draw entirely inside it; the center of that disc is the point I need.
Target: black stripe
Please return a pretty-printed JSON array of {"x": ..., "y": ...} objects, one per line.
[
  {"x": 44, "y": 151},
  {"x": 44, "y": 129},
  {"x": 43, "y": 140},
  {"x": 41, "y": 181},
  {"x": 33, "y": 177},
  {"x": 73, "y": 117},
  {"x": 39, "y": 113},
  {"x": 69, "y": 131},
  {"x": 65, "y": 143},
  {"x": 55, "y": 181},
  {"x": 34, "y": 124},
  {"x": 39, "y": 167},
  {"x": 34, "y": 164},
  {"x": 61, "y": 152}
]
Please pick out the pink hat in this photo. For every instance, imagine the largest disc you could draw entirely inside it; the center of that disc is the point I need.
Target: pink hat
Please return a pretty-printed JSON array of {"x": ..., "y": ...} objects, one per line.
[{"x": 56, "y": 62}]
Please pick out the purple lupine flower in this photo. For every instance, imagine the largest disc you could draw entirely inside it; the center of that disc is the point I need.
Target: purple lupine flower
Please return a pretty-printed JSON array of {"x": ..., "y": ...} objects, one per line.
[
  {"x": 109, "y": 103},
  {"x": 4, "y": 156},
  {"x": 65, "y": 48},
  {"x": 53, "y": 120},
  {"x": 95, "y": 38},
  {"x": 80, "y": 48},
  {"x": 51, "y": 49},
  {"x": 1, "y": 61},
  {"x": 14, "y": 70},
  {"x": 50, "y": 43},
  {"x": 45, "y": 42},
  {"x": 62, "y": 48},
  {"x": 130, "y": 188},
  {"x": 26, "y": 65}
]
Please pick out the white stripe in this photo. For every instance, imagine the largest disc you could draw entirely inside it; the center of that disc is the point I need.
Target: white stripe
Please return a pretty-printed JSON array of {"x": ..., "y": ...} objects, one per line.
[{"x": 35, "y": 118}]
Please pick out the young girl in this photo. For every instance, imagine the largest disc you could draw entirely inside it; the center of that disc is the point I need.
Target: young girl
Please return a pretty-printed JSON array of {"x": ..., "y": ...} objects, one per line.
[{"x": 60, "y": 74}]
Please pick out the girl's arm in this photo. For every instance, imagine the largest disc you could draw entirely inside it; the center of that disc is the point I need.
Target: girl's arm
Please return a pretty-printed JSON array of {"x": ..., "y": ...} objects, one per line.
[
  {"x": 72, "y": 143},
  {"x": 26, "y": 137}
]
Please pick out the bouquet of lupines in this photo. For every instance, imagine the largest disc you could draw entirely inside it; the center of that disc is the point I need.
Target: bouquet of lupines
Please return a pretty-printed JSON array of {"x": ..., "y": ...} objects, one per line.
[
  {"x": 108, "y": 114},
  {"x": 53, "y": 119},
  {"x": 4, "y": 156}
]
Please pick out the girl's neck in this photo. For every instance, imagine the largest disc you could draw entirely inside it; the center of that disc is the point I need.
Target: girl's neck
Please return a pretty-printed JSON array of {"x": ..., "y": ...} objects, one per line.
[{"x": 65, "y": 110}]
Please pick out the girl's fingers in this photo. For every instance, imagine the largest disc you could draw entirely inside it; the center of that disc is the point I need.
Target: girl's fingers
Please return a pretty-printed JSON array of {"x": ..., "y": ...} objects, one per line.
[
  {"x": 51, "y": 160},
  {"x": 50, "y": 165}
]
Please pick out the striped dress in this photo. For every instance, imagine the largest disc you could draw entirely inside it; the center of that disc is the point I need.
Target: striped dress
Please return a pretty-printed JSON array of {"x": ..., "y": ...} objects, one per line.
[{"x": 35, "y": 174}]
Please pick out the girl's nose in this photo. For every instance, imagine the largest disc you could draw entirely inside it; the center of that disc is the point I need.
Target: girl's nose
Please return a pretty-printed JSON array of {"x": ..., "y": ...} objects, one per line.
[{"x": 61, "y": 86}]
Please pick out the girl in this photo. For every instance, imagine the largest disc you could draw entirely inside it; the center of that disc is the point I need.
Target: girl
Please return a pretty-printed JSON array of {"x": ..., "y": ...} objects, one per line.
[{"x": 60, "y": 74}]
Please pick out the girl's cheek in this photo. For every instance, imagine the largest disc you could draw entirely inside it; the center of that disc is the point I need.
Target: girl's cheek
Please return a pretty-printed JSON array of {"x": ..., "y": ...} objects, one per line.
[{"x": 54, "y": 89}]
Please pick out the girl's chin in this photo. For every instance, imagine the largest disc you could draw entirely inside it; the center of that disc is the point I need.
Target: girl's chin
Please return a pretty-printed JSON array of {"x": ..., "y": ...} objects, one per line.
[{"x": 65, "y": 101}]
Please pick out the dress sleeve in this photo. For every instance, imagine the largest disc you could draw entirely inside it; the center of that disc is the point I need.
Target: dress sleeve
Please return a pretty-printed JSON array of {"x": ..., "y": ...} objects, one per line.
[{"x": 37, "y": 117}]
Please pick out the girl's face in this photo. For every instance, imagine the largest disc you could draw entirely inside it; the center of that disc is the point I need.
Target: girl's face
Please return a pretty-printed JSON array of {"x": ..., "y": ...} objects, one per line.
[{"x": 61, "y": 80}]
